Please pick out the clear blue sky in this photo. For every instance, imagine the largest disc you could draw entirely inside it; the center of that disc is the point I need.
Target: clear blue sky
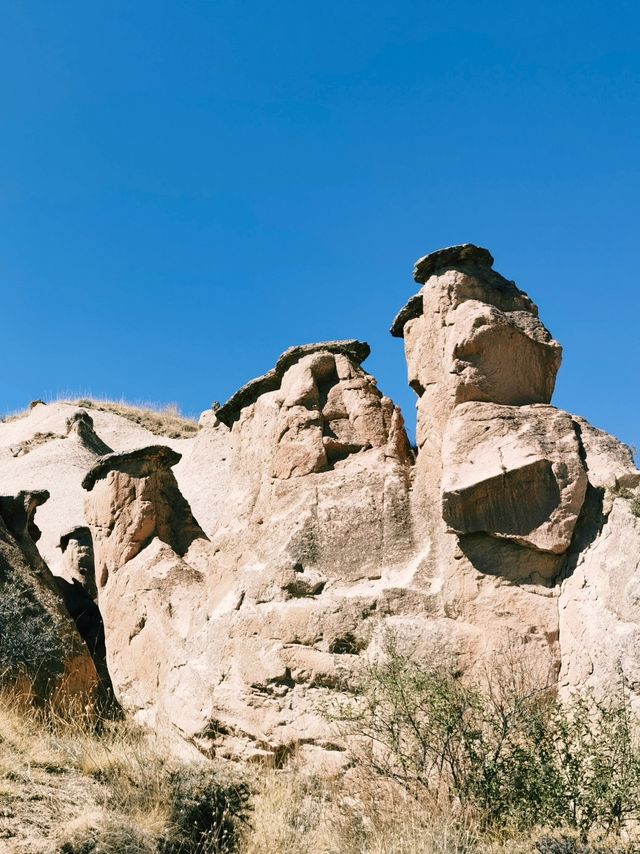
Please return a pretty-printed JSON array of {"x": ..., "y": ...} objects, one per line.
[{"x": 188, "y": 188}]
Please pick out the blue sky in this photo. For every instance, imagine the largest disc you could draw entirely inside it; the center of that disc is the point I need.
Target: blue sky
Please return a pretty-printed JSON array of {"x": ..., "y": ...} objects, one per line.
[{"x": 188, "y": 188}]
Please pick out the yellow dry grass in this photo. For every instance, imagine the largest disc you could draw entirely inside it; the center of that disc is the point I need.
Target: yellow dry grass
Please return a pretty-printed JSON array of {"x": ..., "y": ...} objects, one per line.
[
  {"x": 297, "y": 813},
  {"x": 160, "y": 419},
  {"x": 87, "y": 777},
  {"x": 66, "y": 781}
]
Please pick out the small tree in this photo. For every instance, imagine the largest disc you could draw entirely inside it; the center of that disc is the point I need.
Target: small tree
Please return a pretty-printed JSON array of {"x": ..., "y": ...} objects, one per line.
[{"x": 503, "y": 748}]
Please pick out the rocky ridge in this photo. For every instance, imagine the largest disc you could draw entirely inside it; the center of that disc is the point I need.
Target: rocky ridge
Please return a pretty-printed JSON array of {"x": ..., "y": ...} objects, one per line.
[{"x": 245, "y": 573}]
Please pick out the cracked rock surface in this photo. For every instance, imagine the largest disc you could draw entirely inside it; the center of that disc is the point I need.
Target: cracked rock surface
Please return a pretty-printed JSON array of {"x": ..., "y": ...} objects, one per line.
[{"x": 243, "y": 575}]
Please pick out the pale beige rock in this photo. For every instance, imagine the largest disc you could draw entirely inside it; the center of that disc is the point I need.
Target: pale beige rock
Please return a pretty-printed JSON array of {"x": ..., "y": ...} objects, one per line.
[
  {"x": 473, "y": 339},
  {"x": 244, "y": 584},
  {"x": 135, "y": 499},
  {"x": 609, "y": 461},
  {"x": 63, "y": 445},
  {"x": 255, "y": 624},
  {"x": 79, "y": 593},
  {"x": 76, "y": 546},
  {"x": 600, "y": 606},
  {"x": 460, "y": 350},
  {"x": 311, "y": 560},
  {"x": 514, "y": 472}
]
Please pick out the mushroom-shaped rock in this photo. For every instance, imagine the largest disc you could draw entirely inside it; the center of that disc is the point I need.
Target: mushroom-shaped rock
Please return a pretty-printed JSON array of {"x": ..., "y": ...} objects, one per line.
[
  {"x": 134, "y": 499},
  {"x": 18, "y": 512},
  {"x": 80, "y": 424},
  {"x": 139, "y": 463},
  {"x": 463, "y": 255},
  {"x": 471, "y": 334},
  {"x": 355, "y": 351},
  {"x": 413, "y": 308}
]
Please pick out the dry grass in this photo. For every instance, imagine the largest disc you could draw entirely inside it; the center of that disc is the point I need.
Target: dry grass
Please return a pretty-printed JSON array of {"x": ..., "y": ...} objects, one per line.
[
  {"x": 103, "y": 786},
  {"x": 68, "y": 786},
  {"x": 160, "y": 419},
  {"x": 35, "y": 441},
  {"x": 632, "y": 496},
  {"x": 163, "y": 420},
  {"x": 295, "y": 814},
  {"x": 17, "y": 414}
]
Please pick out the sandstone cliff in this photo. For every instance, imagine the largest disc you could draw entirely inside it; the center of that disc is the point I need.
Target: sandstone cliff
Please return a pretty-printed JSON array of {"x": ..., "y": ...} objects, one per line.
[{"x": 243, "y": 574}]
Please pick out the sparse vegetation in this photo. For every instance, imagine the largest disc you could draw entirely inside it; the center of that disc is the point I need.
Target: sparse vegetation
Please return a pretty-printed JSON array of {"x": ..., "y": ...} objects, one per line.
[
  {"x": 631, "y": 496},
  {"x": 37, "y": 439},
  {"x": 116, "y": 786},
  {"x": 160, "y": 419},
  {"x": 29, "y": 636},
  {"x": 505, "y": 752},
  {"x": 439, "y": 768}
]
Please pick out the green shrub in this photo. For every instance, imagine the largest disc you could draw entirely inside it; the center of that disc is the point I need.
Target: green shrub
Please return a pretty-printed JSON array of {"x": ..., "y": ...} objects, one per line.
[
  {"x": 29, "y": 637},
  {"x": 506, "y": 752},
  {"x": 206, "y": 816}
]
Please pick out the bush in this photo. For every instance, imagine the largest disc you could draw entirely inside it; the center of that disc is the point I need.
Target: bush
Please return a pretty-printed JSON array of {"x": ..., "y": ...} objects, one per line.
[
  {"x": 504, "y": 751},
  {"x": 630, "y": 495},
  {"x": 111, "y": 837},
  {"x": 29, "y": 637},
  {"x": 203, "y": 817},
  {"x": 206, "y": 816},
  {"x": 149, "y": 801}
]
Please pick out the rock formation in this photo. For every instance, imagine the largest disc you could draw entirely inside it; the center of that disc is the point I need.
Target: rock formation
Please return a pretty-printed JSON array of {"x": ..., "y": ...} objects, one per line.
[
  {"x": 38, "y": 640},
  {"x": 244, "y": 574},
  {"x": 522, "y": 484},
  {"x": 52, "y": 447},
  {"x": 306, "y": 533},
  {"x": 80, "y": 595}
]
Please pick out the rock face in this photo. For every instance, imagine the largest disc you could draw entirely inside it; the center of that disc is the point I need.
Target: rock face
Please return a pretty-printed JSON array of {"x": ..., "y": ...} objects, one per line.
[
  {"x": 38, "y": 640},
  {"x": 245, "y": 574},
  {"x": 306, "y": 532},
  {"x": 514, "y": 472},
  {"x": 135, "y": 500},
  {"x": 80, "y": 596},
  {"x": 599, "y": 598},
  {"x": 319, "y": 531},
  {"x": 521, "y": 484}
]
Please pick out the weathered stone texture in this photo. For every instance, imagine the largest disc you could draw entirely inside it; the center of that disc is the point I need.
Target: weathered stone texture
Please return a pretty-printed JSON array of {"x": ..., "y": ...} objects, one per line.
[
  {"x": 245, "y": 574},
  {"x": 514, "y": 472}
]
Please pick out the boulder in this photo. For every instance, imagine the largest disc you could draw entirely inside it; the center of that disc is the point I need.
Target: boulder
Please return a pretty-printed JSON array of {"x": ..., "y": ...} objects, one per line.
[{"x": 514, "y": 472}]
